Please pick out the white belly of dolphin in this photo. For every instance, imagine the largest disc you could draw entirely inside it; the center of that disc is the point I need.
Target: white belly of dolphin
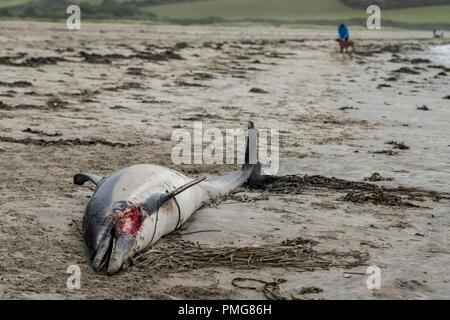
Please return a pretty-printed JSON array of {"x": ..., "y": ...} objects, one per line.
[{"x": 139, "y": 181}]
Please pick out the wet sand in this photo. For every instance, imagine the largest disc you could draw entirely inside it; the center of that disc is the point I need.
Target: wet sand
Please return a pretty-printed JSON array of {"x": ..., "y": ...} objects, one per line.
[{"x": 110, "y": 96}]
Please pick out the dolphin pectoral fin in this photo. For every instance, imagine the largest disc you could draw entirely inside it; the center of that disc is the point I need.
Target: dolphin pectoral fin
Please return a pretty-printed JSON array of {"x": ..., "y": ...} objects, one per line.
[{"x": 81, "y": 178}]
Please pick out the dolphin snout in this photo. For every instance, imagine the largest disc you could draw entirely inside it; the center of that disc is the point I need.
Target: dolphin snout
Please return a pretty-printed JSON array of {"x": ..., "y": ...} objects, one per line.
[
  {"x": 115, "y": 237},
  {"x": 101, "y": 255},
  {"x": 122, "y": 250}
]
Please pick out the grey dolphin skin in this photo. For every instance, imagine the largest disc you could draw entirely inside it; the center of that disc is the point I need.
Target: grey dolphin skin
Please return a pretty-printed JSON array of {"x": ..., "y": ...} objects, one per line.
[{"x": 133, "y": 208}]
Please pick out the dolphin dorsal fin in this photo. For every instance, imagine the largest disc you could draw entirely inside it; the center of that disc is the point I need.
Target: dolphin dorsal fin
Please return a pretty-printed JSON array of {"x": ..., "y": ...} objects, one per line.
[{"x": 81, "y": 178}]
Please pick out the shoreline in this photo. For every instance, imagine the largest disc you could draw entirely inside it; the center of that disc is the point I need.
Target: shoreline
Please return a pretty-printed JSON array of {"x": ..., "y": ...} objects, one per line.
[{"x": 300, "y": 24}]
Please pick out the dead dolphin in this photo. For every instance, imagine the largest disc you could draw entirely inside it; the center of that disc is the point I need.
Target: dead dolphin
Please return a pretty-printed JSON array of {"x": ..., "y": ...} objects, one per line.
[{"x": 134, "y": 207}]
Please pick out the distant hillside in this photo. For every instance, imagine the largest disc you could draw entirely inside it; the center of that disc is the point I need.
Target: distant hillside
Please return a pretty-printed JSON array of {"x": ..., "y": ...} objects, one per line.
[
  {"x": 91, "y": 9},
  {"x": 300, "y": 11},
  {"x": 395, "y": 13},
  {"x": 394, "y": 4}
]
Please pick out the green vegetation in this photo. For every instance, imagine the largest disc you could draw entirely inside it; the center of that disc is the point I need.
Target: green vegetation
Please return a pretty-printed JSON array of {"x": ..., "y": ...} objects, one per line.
[
  {"x": 394, "y": 4},
  {"x": 10, "y": 3},
  {"x": 90, "y": 9},
  {"x": 299, "y": 11},
  {"x": 282, "y": 10},
  {"x": 326, "y": 12}
]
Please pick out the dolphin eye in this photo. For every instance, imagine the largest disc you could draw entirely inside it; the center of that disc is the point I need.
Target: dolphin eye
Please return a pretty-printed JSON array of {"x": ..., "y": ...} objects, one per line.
[{"x": 121, "y": 206}]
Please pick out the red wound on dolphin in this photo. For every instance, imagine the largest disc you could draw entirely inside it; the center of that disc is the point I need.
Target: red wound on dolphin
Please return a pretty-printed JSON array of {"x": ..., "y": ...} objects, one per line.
[{"x": 129, "y": 221}]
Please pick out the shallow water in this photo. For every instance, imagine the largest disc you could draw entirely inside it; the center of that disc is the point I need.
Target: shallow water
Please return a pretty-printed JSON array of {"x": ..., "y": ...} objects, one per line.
[{"x": 441, "y": 54}]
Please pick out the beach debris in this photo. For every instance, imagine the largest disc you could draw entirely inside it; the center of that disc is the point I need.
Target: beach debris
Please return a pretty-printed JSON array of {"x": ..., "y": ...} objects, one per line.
[
  {"x": 16, "y": 84},
  {"x": 99, "y": 58},
  {"x": 127, "y": 86},
  {"x": 402, "y": 224},
  {"x": 423, "y": 108},
  {"x": 439, "y": 67},
  {"x": 95, "y": 58},
  {"x": 276, "y": 210},
  {"x": 377, "y": 197},
  {"x": 39, "y": 61},
  {"x": 296, "y": 184},
  {"x": 377, "y": 177},
  {"x": 247, "y": 198},
  {"x": 68, "y": 142},
  {"x": 131, "y": 85},
  {"x": 258, "y": 90},
  {"x": 397, "y": 59},
  {"x": 183, "y": 83},
  {"x": 386, "y": 151},
  {"x": 306, "y": 243},
  {"x": 177, "y": 255},
  {"x": 29, "y": 62},
  {"x": 305, "y": 290},
  {"x": 419, "y": 60},
  {"x": 118, "y": 107},
  {"x": 159, "y": 56},
  {"x": 135, "y": 71},
  {"x": 42, "y": 133},
  {"x": 2, "y": 149},
  {"x": 203, "y": 76},
  {"x": 4, "y": 106},
  {"x": 181, "y": 45},
  {"x": 348, "y": 274},
  {"x": 447, "y": 97},
  {"x": 348, "y": 108},
  {"x": 272, "y": 289},
  {"x": 57, "y": 103},
  {"x": 398, "y": 145},
  {"x": 7, "y": 60},
  {"x": 406, "y": 70}
]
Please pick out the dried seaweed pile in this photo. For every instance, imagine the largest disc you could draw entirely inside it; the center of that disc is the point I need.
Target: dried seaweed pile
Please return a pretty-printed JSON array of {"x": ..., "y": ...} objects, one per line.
[
  {"x": 272, "y": 289},
  {"x": 377, "y": 197},
  {"x": 69, "y": 142},
  {"x": 360, "y": 192},
  {"x": 297, "y": 253}
]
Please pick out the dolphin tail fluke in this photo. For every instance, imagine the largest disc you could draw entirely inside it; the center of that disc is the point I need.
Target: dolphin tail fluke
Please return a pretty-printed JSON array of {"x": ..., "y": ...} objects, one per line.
[
  {"x": 81, "y": 178},
  {"x": 250, "y": 171},
  {"x": 257, "y": 176}
]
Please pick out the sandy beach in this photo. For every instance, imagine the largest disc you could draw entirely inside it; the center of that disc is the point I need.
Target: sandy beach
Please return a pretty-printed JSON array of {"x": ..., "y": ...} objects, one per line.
[{"x": 110, "y": 95}]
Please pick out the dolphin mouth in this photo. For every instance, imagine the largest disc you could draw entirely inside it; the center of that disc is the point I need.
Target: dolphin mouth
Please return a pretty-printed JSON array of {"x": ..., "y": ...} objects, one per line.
[
  {"x": 119, "y": 240},
  {"x": 122, "y": 250},
  {"x": 104, "y": 251},
  {"x": 114, "y": 252}
]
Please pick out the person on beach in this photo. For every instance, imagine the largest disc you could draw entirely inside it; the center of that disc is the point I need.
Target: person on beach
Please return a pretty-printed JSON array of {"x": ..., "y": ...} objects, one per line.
[
  {"x": 344, "y": 34},
  {"x": 343, "y": 40}
]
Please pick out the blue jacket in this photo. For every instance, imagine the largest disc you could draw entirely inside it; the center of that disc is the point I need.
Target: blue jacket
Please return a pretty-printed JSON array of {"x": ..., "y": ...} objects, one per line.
[{"x": 343, "y": 32}]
